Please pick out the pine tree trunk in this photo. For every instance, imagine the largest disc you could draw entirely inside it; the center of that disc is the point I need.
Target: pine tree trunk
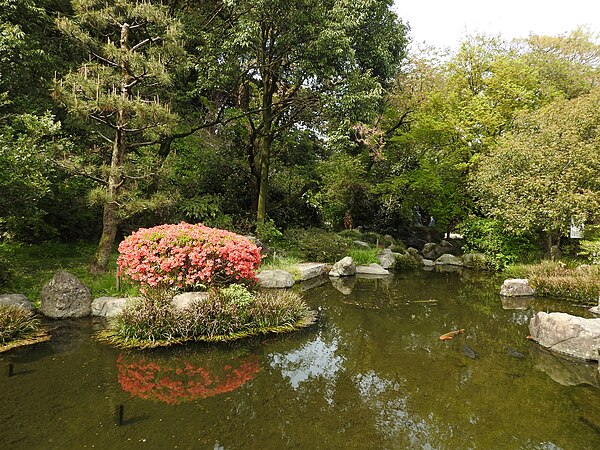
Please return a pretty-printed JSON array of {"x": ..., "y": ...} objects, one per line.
[{"x": 110, "y": 218}]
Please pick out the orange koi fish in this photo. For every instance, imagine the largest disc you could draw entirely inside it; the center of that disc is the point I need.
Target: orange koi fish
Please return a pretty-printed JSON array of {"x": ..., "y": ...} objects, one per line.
[{"x": 449, "y": 335}]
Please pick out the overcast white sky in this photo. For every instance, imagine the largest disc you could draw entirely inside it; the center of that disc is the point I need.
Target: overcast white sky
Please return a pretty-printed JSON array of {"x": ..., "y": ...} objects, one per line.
[{"x": 444, "y": 23}]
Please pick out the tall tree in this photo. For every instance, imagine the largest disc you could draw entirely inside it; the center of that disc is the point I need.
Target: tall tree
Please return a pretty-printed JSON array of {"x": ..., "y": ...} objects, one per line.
[
  {"x": 547, "y": 172},
  {"x": 291, "y": 62},
  {"x": 133, "y": 47}
]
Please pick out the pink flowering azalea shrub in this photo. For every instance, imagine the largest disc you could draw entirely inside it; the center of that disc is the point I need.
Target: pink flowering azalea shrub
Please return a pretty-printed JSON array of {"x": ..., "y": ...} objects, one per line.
[{"x": 186, "y": 256}]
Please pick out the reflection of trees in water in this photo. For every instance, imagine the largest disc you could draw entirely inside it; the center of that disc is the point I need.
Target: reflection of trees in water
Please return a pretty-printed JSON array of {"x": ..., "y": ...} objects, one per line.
[{"x": 381, "y": 377}]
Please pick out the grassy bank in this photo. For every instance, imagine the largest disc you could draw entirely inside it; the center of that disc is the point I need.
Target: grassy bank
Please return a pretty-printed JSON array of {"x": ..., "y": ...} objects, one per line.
[
  {"x": 571, "y": 280},
  {"x": 29, "y": 267}
]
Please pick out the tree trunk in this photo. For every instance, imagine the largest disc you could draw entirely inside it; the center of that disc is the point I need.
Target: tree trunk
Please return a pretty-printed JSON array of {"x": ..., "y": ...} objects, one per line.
[
  {"x": 263, "y": 189},
  {"x": 110, "y": 218}
]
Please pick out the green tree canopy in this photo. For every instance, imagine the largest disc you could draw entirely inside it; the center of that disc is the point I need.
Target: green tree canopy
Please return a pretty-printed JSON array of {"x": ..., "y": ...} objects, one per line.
[{"x": 547, "y": 171}]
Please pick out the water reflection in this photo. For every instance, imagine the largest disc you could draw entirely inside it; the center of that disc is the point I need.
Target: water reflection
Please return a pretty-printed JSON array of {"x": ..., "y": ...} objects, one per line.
[
  {"x": 176, "y": 380},
  {"x": 315, "y": 359}
]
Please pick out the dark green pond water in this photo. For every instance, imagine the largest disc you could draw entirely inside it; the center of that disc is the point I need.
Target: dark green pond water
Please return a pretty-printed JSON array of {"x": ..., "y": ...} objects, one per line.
[{"x": 371, "y": 374}]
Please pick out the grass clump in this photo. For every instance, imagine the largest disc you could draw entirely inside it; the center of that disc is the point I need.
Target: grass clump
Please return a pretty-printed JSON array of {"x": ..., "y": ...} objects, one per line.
[
  {"x": 18, "y": 326},
  {"x": 287, "y": 263},
  {"x": 364, "y": 256},
  {"x": 223, "y": 315},
  {"x": 558, "y": 279}
]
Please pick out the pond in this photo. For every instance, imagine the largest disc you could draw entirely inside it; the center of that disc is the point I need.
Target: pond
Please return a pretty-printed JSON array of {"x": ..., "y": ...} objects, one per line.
[{"x": 371, "y": 374}]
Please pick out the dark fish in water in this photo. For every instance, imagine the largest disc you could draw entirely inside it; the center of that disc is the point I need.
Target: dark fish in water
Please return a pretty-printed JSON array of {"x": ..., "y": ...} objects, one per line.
[
  {"x": 513, "y": 352},
  {"x": 469, "y": 352}
]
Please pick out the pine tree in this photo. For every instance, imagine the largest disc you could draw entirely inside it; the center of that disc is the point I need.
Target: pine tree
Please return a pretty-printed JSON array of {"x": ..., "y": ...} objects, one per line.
[{"x": 133, "y": 47}]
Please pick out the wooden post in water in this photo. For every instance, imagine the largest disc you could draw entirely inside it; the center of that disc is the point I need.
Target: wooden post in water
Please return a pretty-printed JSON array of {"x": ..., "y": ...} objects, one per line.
[
  {"x": 120, "y": 412},
  {"x": 11, "y": 369}
]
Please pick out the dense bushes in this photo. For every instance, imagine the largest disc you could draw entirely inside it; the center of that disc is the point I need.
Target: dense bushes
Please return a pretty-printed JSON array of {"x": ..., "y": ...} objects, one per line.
[
  {"x": 187, "y": 256},
  {"x": 316, "y": 245},
  {"x": 488, "y": 236}
]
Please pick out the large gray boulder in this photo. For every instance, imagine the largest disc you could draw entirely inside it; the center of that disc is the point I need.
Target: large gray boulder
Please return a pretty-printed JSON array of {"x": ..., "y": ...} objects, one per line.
[
  {"x": 430, "y": 251},
  {"x": 362, "y": 244},
  {"x": 449, "y": 260},
  {"x": 185, "y": 300},
  {"x": 567, "y": 334},
  {"x": 516, "y": 287},
  {"x": 108, "y": 306},
  {"x": 275, "y": 279},
  {"x": 386, "y": 259},
  {"x": 343, "y": 268},
  {"x": 308, "y": 270},
  {"x": 371, "y": 269},
  {"x": 16, "y": 300},
  {"x": 64, "y": 296}
]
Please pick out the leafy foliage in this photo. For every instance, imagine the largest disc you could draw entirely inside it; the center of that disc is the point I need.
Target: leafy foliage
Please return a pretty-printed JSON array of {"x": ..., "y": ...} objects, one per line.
[
  {"x": 491, "y": 238},
  {"x": 187, "y": 256},
  {"x": 547, "y": 172}
]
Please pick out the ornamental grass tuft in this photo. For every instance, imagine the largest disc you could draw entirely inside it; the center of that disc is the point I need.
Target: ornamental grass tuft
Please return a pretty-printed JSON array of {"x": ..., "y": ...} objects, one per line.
[
  {"x": 556, "y": 279},
  {"x": 224, "y": 315},
  {"x": 17, "y": 324}
]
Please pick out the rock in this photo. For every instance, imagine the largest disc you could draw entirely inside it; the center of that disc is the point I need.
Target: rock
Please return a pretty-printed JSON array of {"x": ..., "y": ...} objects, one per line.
[
  {"x": 344, "y": 284},
  {"x": 427, "y": 263},
  {"x": 371, "y": 269},
  {"x": 412, "y": 251},
  {"x": 182, "y": 301},
  {"x": 64, "y": 296},
  {"x": 475, "y": 261},
  {"x": 275, "y": 279},
  {"x": 386, "y": 259},
  {"x": 16, "y": 300},
  {"x": 362, "y": 244},
  {"x": 310, "y": 270},
  {"x": 264, "y": 248},
  {"x": 567, "y": 334},
  {"x": 430, "y": 251},
  {"x": 343, "y": 268},
  {"x": 516, "y": 287},
  {"x": 108, "y": 306},
  {"x": 449, "y": 260}
]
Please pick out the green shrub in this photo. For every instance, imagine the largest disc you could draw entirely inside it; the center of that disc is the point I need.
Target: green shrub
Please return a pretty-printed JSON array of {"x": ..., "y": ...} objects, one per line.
[
  {"x": 405, "y": 261},
  {"x": 268, "y": 232},
  {"x": 17, "y": 323},
  {"x": 488, "y": 236},
  {"x": 364, "y": 256},
  {"x": 316, "y": 245}
]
